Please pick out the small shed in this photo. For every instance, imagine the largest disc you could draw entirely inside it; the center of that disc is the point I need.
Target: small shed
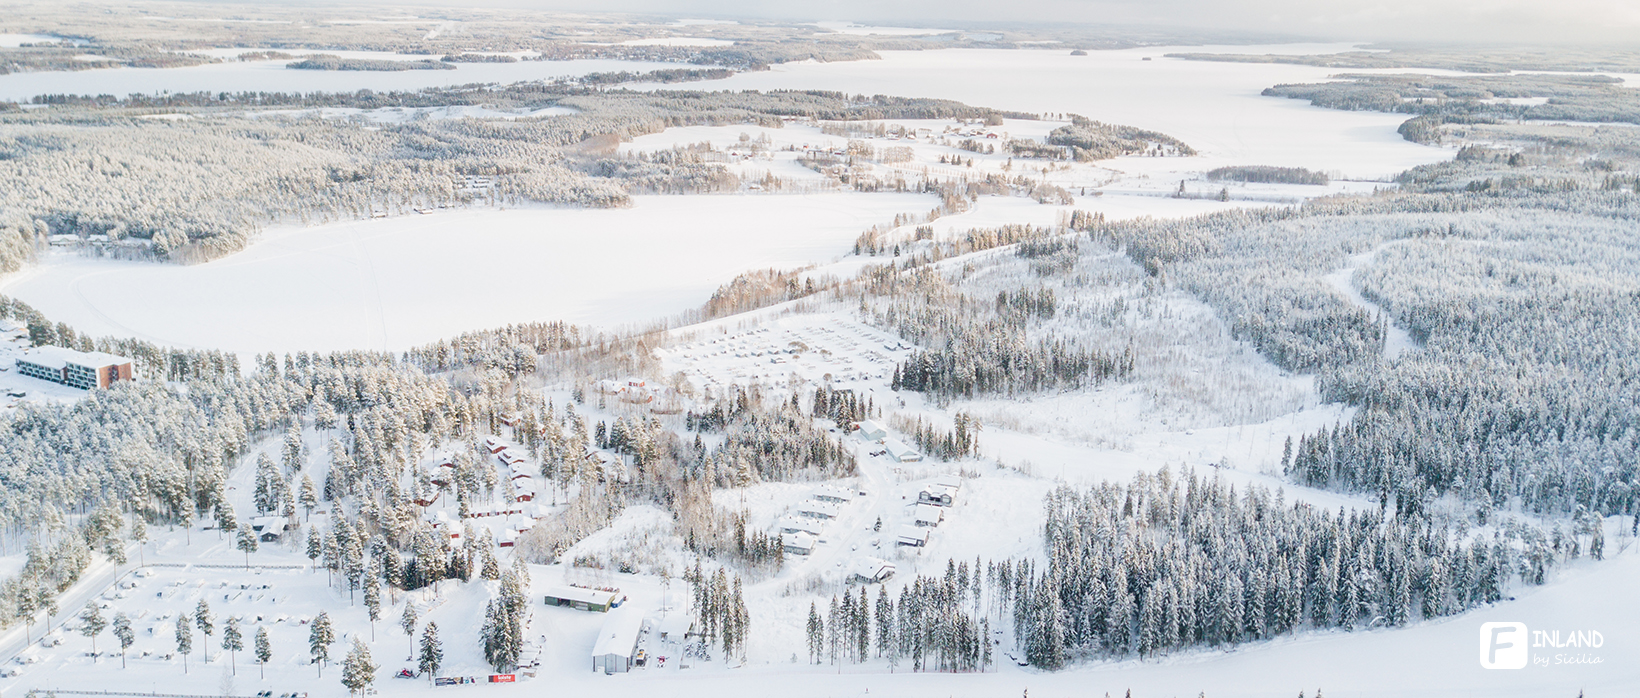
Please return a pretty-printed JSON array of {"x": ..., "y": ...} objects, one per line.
[
  {"x": 950, "y": 482},
  {"x": 584, "y": 599},
  {"x": 913, "y": 536},
  {"x": 929, "y": 515},
  {"x": 871, "y": 431},
  {"x": 899, "y": 451},
  {"x": 797, "y": 543},
  {"x": 617, "y": 642}
]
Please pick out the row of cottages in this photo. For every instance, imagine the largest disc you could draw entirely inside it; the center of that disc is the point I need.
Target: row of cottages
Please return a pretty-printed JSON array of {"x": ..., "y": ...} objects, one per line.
[
  {"x": 523, "y": 485},
  {"x": 816, "y": 509},
  {"x": 76, "y": 369}
]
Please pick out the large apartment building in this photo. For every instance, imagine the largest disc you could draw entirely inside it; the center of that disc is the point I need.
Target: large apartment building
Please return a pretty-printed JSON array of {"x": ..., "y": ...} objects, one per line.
[{"x": 83, "y": 370}]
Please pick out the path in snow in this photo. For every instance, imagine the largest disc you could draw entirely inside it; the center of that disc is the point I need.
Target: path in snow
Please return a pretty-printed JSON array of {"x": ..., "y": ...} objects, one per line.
[{"x": 1398, "y": 341}]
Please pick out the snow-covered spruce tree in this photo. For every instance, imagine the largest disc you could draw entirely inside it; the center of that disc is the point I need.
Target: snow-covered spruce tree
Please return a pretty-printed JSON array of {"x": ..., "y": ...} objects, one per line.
[
  {"x": 232, "y": 641},
  {"x": 431, "y": 657},
  {"x": 358, "y": 670},
  {"x": 264, "y": 650},
  {"x": 123, "y": 633},
  {"x": 320, "y": 637},
  {"x": 185, "y": 639}
]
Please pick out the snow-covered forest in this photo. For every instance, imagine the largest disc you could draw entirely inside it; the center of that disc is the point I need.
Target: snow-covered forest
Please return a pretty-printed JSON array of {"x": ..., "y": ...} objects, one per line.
[{"x": 1070, "y": 403}]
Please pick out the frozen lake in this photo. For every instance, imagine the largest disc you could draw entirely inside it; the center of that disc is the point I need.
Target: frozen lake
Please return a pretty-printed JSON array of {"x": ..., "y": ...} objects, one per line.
[
  {"x": 1216, "y": 107},
  {"x": 394, "y": 283}
]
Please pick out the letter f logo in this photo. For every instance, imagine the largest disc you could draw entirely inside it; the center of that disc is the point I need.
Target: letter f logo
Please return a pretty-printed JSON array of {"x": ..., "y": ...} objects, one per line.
[{"x": 1503, "y": 645}]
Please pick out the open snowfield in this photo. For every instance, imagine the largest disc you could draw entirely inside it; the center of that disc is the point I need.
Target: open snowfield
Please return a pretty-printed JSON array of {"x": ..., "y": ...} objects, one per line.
[{"x": 399, "y": 282}]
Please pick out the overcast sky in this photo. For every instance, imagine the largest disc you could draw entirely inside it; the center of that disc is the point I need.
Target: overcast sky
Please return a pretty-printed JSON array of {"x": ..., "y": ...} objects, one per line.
[{"x": 1459, "y": 20}]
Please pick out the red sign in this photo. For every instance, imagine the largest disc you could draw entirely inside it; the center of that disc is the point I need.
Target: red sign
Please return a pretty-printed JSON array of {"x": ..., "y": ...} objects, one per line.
[{"x": 503, "y": 678}]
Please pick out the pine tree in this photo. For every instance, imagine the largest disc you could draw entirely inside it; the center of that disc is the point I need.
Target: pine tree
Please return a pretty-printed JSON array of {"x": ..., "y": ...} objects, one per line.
[
  {"x": 122, "y": 632},
  {"x": 432, "y": 652},
  {"x": 185, "y": 639},
  {"x": 92, "y": 623},
  {"x": 308, "y": 496},
  {"x": 358, "y": 671},
  {"x": 202, "y": 618},
  {"x": 407, "y": 620},
  {"x": 373, "y": 600},
  {"x": 232, "y": 641},
  {"x": 264, "y": 650},
  {"x": 315, "y": 547},
  {"x": 319, "y": 641},
  {"x": 247, "y": 542}
]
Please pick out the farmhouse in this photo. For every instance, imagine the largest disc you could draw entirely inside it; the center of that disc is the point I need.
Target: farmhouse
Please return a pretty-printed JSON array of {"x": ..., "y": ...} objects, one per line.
[
  {"x": 617, "y": 642},
  {"x": 929, "y": 515},
  {"x": 871, "y": 431},
  {"x": 78, "y": 369},
  {"x": 913, "y": 536},
  {"x": 584, "y": 599},
  {"x": 902, "y": 453}
]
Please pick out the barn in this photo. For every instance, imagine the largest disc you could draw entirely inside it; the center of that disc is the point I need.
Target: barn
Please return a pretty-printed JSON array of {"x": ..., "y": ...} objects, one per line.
[{"x": 617, "y": 642}]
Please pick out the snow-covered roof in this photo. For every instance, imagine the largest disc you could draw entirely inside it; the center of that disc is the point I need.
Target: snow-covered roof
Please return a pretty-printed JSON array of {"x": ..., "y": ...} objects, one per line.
[
  {"x": 833, "y": 492},
  {"x": 582, "y": 594},
  {"x": 268, "y": 523},
  {"x": 676, "y": 624},
  {"x": 912, "y": 533},
  {"x": 817, "y": 507},
  {"x": 798, "y": 524},
  {"x": 928, "y": 513},
  {"x": 952, "y": 482},
  {"x": 874, "y": 568},
  {"x": 620, "y": 633},
  {"x": 872, "y": 430},
  {"x": 900, "y": 450},
  {"x": 60, "y": 357},
  {"x": 800, "y": 541}
]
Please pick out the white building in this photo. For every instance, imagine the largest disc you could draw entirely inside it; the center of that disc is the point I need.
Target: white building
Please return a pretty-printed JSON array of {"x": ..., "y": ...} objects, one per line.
[
  {"x": 950, "y": 482},
  {"x": 929, "y": 515},
  {"x": 872, "y": 431},
  {"x": 77, "y": 369},
  {"x": 937, "y": 496},
  {"x": 797, "y": 543},
  {"x": 617, "y": 642},
  {"x": 834, "y": 494},
  {"x": 799, "y": 524},
  {"x": 871, "y": 570},
  {"x": 899, "y": 451},
  {"x": 816, "y": 509},
  {"x": 913, "y": 536}
]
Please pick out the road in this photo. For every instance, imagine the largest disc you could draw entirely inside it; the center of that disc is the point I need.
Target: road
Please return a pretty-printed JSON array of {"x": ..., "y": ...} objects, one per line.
[{"x": 97, "y": 579}]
